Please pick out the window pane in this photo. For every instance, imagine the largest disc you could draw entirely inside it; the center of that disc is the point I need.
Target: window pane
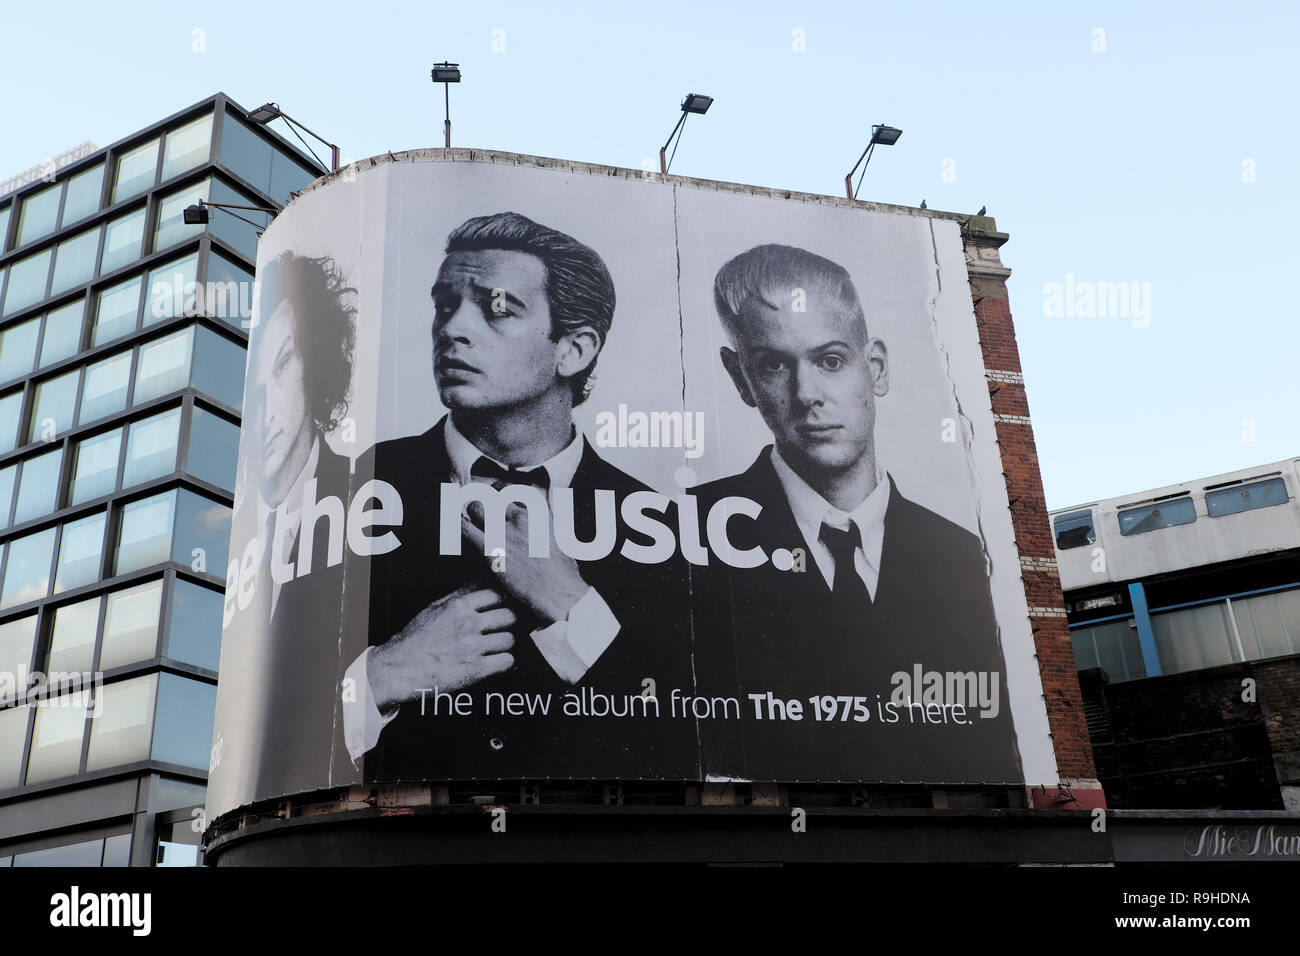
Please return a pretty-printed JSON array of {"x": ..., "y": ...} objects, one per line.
[
  {"x": 187, "y": 146},
  {"x": 286, "y": 176},
  {"x": 72, "y": 647},
  {"x": 131, "y": 626},
  {"x": 117, "y": 850},
  {"x": 202, "y": 532},
  {"x": 135, "y": 171},
  {"x": 171, "y": 290},
  {"x": 118, "y": 307},
  {"x": 27, "y": 281},
  {"x": 145, "y": 536},
  {"x": 214, "y": 449},
  {"x": 1262, "y": 623},
  {"x": 151, "y": 447},
  {"x": 246, "y": 153},
  {"x": 38, "y": 486},
  {"x": 13, "y": 736},
  {"x": 231, "y": 291},
  {"x": 74, "y": 261},
  {"x": 4, "y": 225},
  {"x": 94, "y": 466},
  {"x": 80, "y": 553},
  {"x": 1110, "y": 649},
  {"x": 55, "y": 402},
  {"x": 105, "y": 389},
  {"x": 171, "y": 224},
  {"x": 1192, "y": 638},
  {"x": 27, "y": 576},
  {"x": 122, "y": 244},
  {"x": 1166, "y": 514},
  {"x": 186, "y": 709},
  {"x": 1085, "y": 648},
  {"x": 164, "y": 366},
  {"x": 121, "y": 733},
  {"x": 7, "y": 477},
  {"x": 39, "y": 214},
  {"x": 83, "y": 194},
  {"x": 11, "y": 407},
  {"x": 242, "y": 236},
  {"x": 62, "y": 333},
  {"x": 194, "y": 631},
  {"x": 18, "y": 349},
  {"x": 17, "y": 639},
  {"x": 174, "y": 854},
  {"x": 72, "y": 854},
  {"x": 219, "y": 367},
  {"x": 1257, "y": 494},
  {"x": 56, "y": 738}
]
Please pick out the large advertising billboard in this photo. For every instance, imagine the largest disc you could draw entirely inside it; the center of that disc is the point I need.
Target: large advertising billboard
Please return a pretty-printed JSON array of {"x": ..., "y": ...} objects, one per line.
[{"x": 550, "y": 472}]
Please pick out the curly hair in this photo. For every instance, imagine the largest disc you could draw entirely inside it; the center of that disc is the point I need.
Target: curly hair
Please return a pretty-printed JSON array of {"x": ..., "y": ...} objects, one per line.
[
  {"x": 323, "y": 328},
  {"x": 579, "y": 289}
]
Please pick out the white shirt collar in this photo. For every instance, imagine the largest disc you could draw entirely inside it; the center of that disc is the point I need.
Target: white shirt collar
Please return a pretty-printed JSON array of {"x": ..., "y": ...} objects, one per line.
[
  {"x": 810, "y": 510},
  {"x": 560, "y": 467}
]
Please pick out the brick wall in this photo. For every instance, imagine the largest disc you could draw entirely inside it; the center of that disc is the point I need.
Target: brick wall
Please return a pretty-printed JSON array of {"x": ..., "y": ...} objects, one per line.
[{"x": 1068, "y": 725}]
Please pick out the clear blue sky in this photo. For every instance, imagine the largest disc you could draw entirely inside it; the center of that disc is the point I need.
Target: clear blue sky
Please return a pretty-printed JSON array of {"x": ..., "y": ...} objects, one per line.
[{"x": 1122, "y": 165}]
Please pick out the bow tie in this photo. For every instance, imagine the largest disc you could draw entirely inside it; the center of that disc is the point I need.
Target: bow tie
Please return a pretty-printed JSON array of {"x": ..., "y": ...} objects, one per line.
[{"x": 485, "y": 469}]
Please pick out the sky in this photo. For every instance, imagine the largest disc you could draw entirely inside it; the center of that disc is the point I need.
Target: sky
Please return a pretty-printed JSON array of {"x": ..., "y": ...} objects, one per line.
[{"x": 1152, "y": 144}]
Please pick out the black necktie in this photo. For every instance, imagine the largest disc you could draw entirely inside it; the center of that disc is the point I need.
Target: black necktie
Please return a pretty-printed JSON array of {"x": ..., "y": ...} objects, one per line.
[
  {"x": 485, "y": 469},
  {"x": 848, "y": 585}
]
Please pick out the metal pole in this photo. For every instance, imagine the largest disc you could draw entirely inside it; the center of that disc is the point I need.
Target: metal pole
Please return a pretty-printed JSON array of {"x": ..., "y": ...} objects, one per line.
[
  {"x": 446, "y": 90},
  {"x": 848, "y": 180},
  {"x": 663, "y": 163}
]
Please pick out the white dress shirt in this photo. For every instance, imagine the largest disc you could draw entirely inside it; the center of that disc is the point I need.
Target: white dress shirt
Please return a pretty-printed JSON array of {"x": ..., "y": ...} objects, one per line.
[
  {"x": 570, "y": 646},
  {"x": 811, "y": 510}
]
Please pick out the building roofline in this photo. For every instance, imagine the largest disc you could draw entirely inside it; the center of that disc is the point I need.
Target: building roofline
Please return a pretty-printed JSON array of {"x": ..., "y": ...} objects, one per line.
[
  {"x": 194, "y": 109},
  {"x": 983, "y": 224}
]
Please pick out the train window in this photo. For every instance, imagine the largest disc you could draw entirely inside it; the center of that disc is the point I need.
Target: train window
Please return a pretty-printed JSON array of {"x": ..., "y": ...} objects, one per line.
[
  {"x": 1257, "y": 494},
  {"x": 1074, "y": 529},
  {"x": 1165, "y": 514}
]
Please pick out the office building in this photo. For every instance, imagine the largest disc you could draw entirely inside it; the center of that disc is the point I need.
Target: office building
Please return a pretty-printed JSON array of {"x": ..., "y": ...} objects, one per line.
[{"x": 122, "y": 352}]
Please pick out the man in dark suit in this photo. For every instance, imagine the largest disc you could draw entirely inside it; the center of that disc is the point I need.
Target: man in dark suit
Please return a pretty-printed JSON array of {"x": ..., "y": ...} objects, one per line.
[
  {"x": 521, "y": 312},
  {"x": 862, "y": 583},
  {"x": 286, "y": 646}
]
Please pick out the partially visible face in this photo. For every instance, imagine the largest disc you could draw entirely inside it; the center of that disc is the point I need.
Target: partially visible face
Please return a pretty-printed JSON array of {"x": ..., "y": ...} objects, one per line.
[
  {"x": 492, "y": 345},
  {"x": 285, "y": 429},
  {"x": 814, "y": 377}
]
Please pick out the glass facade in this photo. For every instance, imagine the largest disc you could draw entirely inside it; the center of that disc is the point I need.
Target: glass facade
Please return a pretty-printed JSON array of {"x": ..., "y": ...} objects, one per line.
[
  {"x": 120, "y": 388},
  {"x": 263, "y": 166},
  {"x": 1223, "y": 631}
]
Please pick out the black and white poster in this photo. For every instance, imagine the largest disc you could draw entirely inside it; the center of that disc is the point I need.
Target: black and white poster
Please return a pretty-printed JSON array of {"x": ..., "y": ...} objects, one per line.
[{"x": 550, "y": 473}]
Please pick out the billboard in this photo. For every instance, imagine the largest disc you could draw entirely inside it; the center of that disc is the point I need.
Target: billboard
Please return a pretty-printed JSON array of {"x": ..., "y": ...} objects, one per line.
[{"x": 557, "y": 472}]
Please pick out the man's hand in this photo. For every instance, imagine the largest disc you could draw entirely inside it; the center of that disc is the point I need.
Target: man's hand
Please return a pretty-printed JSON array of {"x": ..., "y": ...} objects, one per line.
[
  {"x": 548, "y": 587},
  {"x": 455, "y": 641}
]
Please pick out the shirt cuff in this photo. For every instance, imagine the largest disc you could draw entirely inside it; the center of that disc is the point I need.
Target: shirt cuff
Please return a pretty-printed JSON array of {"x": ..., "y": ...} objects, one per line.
[
  {"x": 362, "y": 721},
  {"x": 571, "y": 646}
]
